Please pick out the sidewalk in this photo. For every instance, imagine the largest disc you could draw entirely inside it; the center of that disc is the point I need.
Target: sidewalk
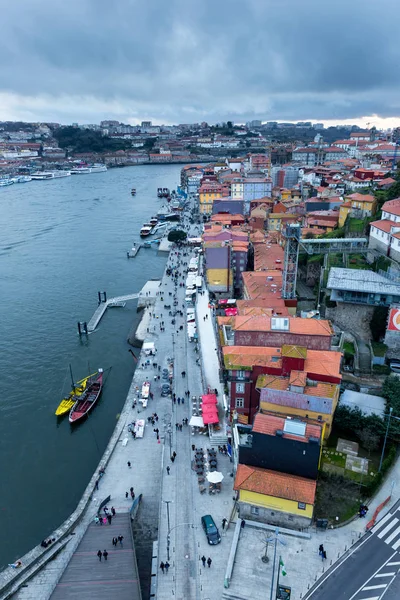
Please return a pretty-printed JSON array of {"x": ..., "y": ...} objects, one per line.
[{"x": 300, "y": 556}]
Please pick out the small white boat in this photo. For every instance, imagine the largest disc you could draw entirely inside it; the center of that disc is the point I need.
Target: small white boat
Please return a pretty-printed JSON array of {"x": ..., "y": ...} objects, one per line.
[
  {"x": 5, "y": 182},
  {"x": 22, "y": 179}
]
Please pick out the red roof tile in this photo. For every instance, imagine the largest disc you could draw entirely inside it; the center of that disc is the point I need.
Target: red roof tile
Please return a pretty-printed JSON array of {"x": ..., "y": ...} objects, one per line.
[{"x": 272, "y": 483}]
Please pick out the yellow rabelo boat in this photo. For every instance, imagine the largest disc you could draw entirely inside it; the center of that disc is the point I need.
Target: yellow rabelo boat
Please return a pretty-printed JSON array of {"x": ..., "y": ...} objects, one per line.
[{"x": 77, "y": 390}]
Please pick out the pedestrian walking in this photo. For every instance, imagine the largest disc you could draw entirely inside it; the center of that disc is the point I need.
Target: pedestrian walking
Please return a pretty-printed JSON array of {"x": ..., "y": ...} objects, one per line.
[
  {"x": 113, "y": 511},
  {"x": 323, "y": 556},
  {"x": 126, "y": 495},
  {"x": 109, "y": 519},
  {"x": 105, "y": 554},
  {"x": 168, "y": 470},
  {"x": 243, "y": 523},
  {"x": 209, "y": 561},
  {"x": 179, "y": 400},
  {"x": 96, "y": 485},
  {"x": 320, "y": 549},
  {"x": 174, "y": 454},
  {"x": 120, "y": 539},
  {"x": 172, "y": 458},
  {"x": 133, "y": 495},
  {"x": 162, "y": 567},
  {"x": 131, "y": 490},
  {"x": 99, "y": 554},
  {"x": 166, "y": 565},
  {"x": 224, "y": 522},
  {"x": 203, "y": 560},
  {"x": 183, "y": 400},
  {"x": 129, "y": 464},
  {"x": 193, "y": 447},
  {"x": 114, "y": 542}
]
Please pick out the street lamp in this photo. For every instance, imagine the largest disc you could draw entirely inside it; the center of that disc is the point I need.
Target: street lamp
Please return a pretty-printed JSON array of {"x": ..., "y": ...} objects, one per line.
[
  {"x": 169, "y": 534},
  {"x": 386, "y": 435},
  {"x": 275, "y": 538},
  {"x": 168, "y": 502}
]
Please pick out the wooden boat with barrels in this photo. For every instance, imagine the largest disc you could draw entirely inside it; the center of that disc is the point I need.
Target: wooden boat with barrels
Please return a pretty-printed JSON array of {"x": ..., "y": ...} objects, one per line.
[
  {"x": 87, "y": 400},
  {"x": 77, "y": 389}
]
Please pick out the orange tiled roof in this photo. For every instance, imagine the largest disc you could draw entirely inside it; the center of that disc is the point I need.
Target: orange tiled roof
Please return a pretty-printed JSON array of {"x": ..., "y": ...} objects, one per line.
[
  {"x": 274, "y": 382},
  {"x": 272, "y": 483},
  {"x": 268, "y": 424},
  {"x": 361, "y": 197},
  {"x": 384, "y": 225},
  {"x": 296, "y": 325},
  {"x": 317, "y": 362},
  {"x": 298, "y": 378},
  {"x": 276, "y": 303}
]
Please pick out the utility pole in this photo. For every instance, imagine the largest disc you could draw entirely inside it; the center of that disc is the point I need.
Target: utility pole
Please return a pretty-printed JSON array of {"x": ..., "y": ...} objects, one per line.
[
  {"x": 274, "y": 539},
  {"x": 168, "y": 502},
  {"x": 386, "y": 435}
]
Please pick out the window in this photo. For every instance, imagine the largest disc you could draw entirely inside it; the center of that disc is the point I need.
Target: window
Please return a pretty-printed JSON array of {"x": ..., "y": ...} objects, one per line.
[
  {"x": 240, "y": 375},
  {"x": 240, "y": 387},
  {"x": 255, "y": 510},
  {"x": 239, "y": 403},
  {"x": 301, "y": 505}
]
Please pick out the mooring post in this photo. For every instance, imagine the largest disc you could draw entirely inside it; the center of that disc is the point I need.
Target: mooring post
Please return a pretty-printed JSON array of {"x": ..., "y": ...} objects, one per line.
[
  {"x": 99, "y": 297},
  {"x": 79, "y": 329}
]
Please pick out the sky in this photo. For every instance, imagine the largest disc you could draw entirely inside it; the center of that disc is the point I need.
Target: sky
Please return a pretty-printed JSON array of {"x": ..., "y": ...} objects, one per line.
[{"x": 179, "y": 61}]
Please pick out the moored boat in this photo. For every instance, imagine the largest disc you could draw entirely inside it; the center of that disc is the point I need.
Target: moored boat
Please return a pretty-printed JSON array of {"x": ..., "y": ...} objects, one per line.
[
  {"x": 146, "y": 230},
  {"x": 87, "y": 400},
  {"x": 133, "y": 191},
  {"x": 77, "y": 389}
]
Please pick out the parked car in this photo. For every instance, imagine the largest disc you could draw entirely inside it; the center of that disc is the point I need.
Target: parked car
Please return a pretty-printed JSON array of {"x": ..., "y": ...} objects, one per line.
[
  {"x": 211, "y": 530},
  {"x": 165, "y": 373},
  {"x": 165, "y": 389},
  {"x": 395, "y": 366}
]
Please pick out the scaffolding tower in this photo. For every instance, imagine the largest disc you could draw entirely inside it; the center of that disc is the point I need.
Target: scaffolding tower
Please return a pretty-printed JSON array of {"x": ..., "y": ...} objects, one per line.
[{"x": 292, "y": 235}]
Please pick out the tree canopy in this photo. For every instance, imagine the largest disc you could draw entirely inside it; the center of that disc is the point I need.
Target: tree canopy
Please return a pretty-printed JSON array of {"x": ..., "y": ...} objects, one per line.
[
  {"x": 177, "y": 235},
  {"x": 86, "y": 140}
]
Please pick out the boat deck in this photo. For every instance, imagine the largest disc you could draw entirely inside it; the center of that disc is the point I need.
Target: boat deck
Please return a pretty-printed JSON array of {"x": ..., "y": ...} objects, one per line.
[{"x": 86, "y": 577}]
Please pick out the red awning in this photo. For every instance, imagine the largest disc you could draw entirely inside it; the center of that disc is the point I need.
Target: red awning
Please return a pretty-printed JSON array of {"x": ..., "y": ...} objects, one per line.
[
  {"x": 210, "y": 414},
  {"x": 231, "y": 312},
  {"x": 209, "y": 399}
]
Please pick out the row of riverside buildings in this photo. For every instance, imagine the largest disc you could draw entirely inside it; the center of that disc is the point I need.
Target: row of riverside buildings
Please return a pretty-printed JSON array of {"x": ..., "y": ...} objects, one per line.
[{"x": 280, "y": 372}]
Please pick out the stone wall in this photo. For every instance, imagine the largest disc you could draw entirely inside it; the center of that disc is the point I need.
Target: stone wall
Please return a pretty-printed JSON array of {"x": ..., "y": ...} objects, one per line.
[
  {"x": 273, "y": 517},
  {"x": 354, "y": 318}
]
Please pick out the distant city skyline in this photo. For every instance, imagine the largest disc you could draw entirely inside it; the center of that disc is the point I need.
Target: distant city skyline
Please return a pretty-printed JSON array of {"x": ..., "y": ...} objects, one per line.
[{"x": 184, "y": 62}]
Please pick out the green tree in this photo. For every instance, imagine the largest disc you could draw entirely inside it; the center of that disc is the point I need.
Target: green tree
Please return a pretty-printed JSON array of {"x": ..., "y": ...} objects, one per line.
[
  {"x": 177, "y": 235},
  {"x": 378, "y": 322}
]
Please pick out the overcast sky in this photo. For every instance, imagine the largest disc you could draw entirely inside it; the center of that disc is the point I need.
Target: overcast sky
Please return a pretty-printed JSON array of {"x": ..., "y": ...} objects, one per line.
[{"x": 179, "y": 61}]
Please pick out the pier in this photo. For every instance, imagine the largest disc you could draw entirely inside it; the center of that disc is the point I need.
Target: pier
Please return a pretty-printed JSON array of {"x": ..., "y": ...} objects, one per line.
[
  {"x": 86, "y": 577},
  {"x": 101, "y": 309}
]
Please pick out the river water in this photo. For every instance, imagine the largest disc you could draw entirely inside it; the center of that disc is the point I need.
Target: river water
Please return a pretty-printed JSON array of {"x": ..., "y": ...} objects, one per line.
[{"x": 60, "y": 243}]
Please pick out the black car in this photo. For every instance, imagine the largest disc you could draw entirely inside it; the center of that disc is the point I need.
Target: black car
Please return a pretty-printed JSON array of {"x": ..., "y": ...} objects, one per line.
[
  {"x": 211, "y": 530},
  {"x": 165, "y": 373},
  {"x": 165, "y": 389}
]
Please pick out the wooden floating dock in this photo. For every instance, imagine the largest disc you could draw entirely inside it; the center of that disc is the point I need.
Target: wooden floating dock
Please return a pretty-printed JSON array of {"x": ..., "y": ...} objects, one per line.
[
  {"x": 101, "y": 309},
  {"x": 131, "y": 254}
]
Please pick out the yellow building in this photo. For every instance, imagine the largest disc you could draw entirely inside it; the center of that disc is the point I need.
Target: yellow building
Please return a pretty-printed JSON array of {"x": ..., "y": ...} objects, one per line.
[
  {"x": 237, "y": 189},
  {"x": 219, "y": 280},
  {"x": 277, "y": 220},
  {"x": 209, "y": 192},
  {"x": 364, "y": 202},
  {"x": 275, "y": 498},
  {"x": 344, "y": 210}
]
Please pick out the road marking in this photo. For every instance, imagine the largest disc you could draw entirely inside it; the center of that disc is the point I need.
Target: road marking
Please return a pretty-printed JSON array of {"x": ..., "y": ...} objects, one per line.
[
  {"x": 387, "y": 528},
  {"x": 362, "y": 588},
  {"x": 392, "y": 536},
  {"x": 396, "y": 545},
  {"x": 381, "y": 522},
  {"x": 371, "y": 598},
  {"x": 393, "y": 564},
  {"x": 374, "y": 587},
  {"x": 385, "y": 574}
]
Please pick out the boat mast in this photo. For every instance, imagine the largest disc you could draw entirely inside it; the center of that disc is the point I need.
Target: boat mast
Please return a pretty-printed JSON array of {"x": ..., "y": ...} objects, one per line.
[{"x": 72, "y": 377}]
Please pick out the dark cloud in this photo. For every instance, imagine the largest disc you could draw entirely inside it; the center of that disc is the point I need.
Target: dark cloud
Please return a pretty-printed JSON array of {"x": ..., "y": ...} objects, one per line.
[{"x": 180, "y": 61}]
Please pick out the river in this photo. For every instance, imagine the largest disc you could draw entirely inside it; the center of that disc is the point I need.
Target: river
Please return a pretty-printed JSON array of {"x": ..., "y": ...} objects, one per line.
[{"x": 61, "y": 242}]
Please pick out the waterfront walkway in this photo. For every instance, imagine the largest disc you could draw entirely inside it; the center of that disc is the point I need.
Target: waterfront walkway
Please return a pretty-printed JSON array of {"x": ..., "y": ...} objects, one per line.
[{"x": 86, "y": 577}]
